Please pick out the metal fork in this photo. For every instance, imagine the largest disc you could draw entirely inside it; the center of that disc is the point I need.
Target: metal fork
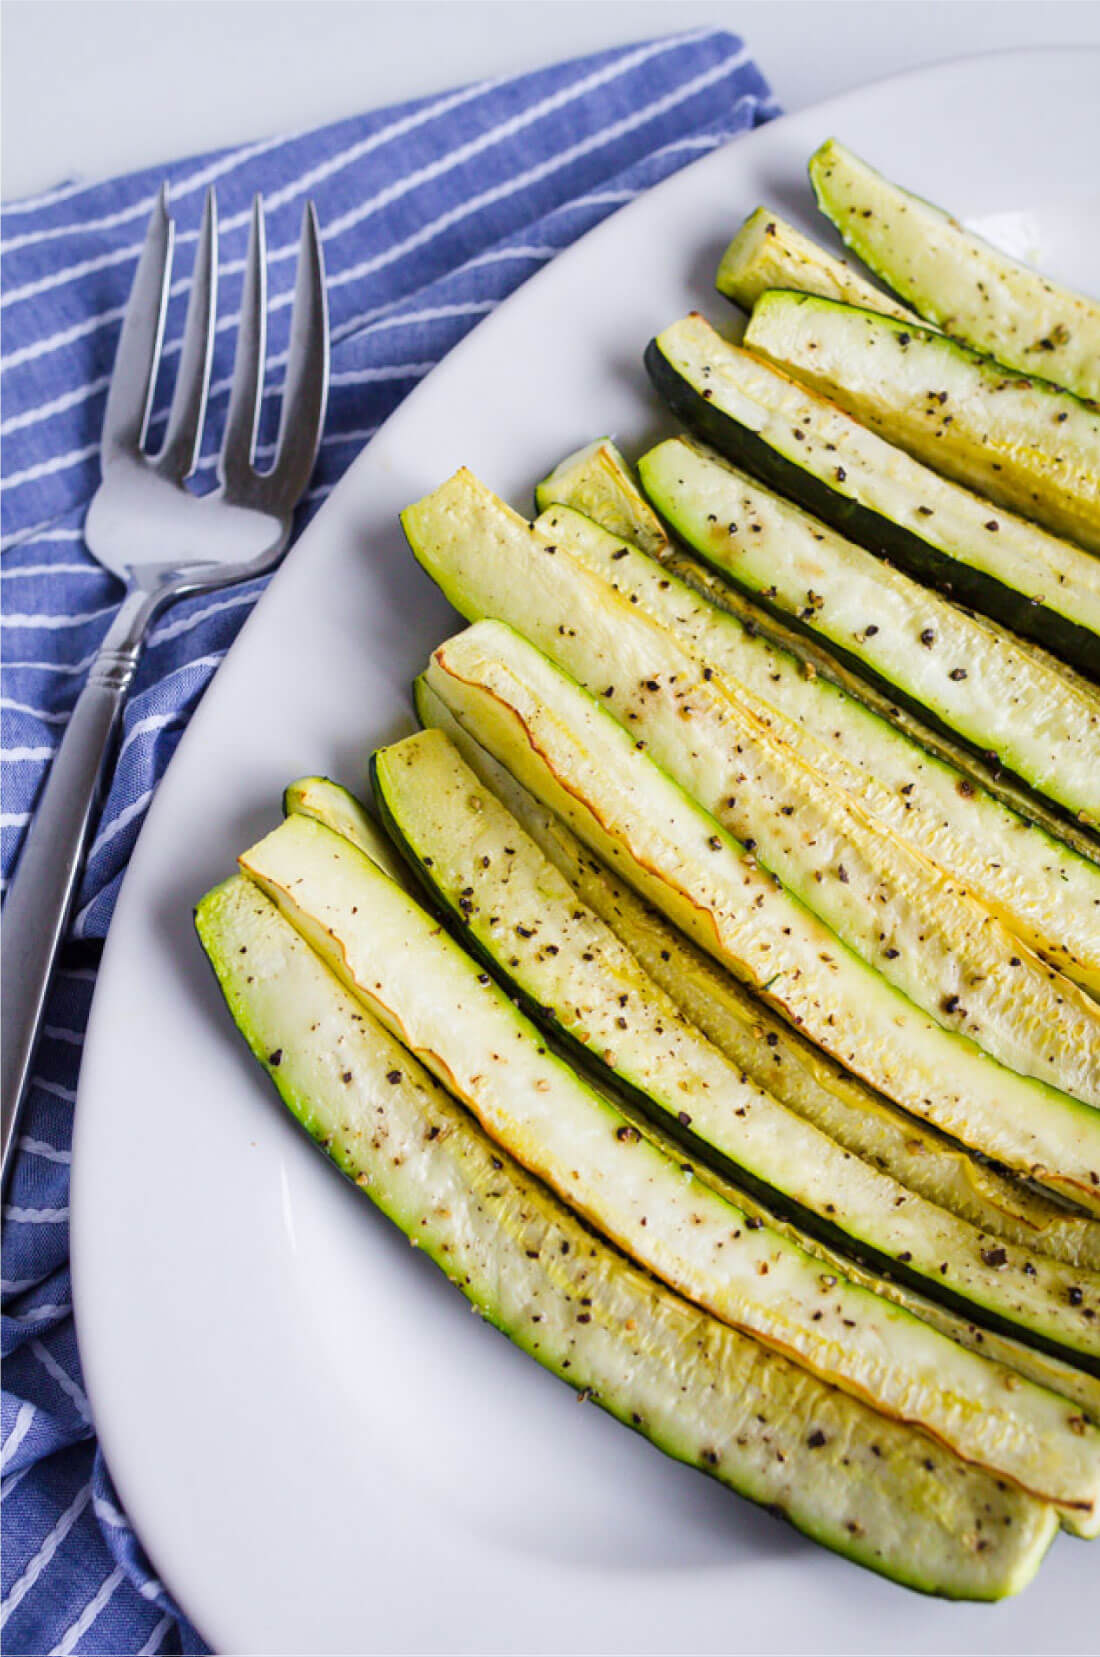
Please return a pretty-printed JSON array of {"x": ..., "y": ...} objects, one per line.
[{"x": 165, "y": 543}]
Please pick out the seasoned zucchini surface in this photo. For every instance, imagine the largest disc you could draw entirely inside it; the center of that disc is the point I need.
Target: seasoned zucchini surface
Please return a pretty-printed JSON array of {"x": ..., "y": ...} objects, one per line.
[{"x": 705, "y": 1394}]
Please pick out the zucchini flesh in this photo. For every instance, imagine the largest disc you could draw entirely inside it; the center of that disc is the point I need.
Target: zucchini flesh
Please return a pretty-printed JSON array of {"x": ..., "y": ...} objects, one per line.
[
  {"x": 1023, "y": 443},
  {"x": 896, "y": 1143},
  {"x": 951, "y": 667},
  {"x": 1041, "y": 1367},
  {"x": 774, "y": 1055},
  {"x": 423, "y": 987},
  {"x": 697, "y": 1389},
  {"x": 1049, "y": 852},
  {"x": 597, "y": 481},
  {"x": 610, "y": 617},
  {"x": 804, "y": 446},
  {"x": 329, "y": 803},
  {"x": 956, "y": 279},
  {"x": 767, "y": 252},
  {"x": 576, "y": 977},
  {"x": 896, "y": 909},
  {"x": 1048, "y": 896},
  {"x": 586, "y": 768},
  {"x": 1004, "y": 806}
]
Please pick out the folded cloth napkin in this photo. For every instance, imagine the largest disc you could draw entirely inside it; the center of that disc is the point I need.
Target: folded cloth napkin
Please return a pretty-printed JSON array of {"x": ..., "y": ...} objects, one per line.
[{"x": 432, "y": 213}]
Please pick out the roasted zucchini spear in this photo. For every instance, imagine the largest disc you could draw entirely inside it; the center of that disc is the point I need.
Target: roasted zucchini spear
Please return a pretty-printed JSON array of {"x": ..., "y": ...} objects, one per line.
[
  {"x": 956, "y": 279},
  {"x": 565, "y": 748},
  {"x": 1026, "y": 444},
  {"x": 869, "y": 1488}
]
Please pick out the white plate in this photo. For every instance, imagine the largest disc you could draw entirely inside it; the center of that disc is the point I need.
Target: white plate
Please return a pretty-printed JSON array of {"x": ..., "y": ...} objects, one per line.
[{"x": 321, "y": 1449}]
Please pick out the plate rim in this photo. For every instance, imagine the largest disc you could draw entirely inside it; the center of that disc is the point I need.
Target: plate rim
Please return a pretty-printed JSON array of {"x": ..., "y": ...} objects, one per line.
[{"x": 110, "y": 1433}]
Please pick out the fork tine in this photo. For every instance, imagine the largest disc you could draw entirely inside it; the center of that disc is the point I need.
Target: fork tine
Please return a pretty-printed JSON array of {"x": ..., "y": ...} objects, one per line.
[
  {"x": 243, "y": 418},
  {"x": 134, "y": 377},
  {"x": 180, "y": 449},
  {"x": 306, "y": 389}
]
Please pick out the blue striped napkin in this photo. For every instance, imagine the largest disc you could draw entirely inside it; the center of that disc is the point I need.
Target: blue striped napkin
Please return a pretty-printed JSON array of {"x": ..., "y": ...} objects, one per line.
[{"x": 432, "y": 213}]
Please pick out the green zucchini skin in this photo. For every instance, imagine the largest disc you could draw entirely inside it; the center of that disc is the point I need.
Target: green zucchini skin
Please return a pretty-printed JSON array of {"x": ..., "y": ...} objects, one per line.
[
  {"x": 1046, "y": 1371},
  {"x": 1024, "y": 443},
  {"x": 766, "y": 1047},
  {"x": 400, "y": 963},
  {"x": 957, "y": 280},
  {"x": 956, "y": 671},
  {"x": 745, "y": 1031},
  {"x": 335, "y": 807},
  {"x": 660, "y": 660},
  {"x": 872, "y": 1491},
  {"x": 564, "y": 746},
  {"x": 596, "y": 480},
  {"x": 567, "y": 969},
  {"x": 903, "y": 1148},
  {"x": 1019, "y": 806},
  {"x": 767, "y": 252},
  {"x": 603, "y": 486},
  {"x": 1062, "y": 634}
]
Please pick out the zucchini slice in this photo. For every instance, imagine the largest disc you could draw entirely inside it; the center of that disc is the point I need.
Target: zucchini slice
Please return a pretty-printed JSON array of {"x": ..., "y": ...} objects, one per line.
[
  {"x": 956, "y": 279},
  {"x": 338, "y": 809},
  {"x": 597, "y": 481},
  {"x": 894, "y": 888},
  {"x": 610, "y": 617},
  {"x": 767, "y": 252},
  {"x": 1042, "y": 587},
  {"x": 697, "y": 1389},
  {"x": 902, "y": 776},
  {"x": 1053, "y": 855},
  {"x": 1042, "y": 1368},
  {"x": 767, "y": 1049},
  {"x": 952, "y": 668},
  {"x": 573, "y": 975},
  {"x": 426, "y": 990},
  {"x": 568, "y": 751},
  {"x": 1024, "y": 443}
]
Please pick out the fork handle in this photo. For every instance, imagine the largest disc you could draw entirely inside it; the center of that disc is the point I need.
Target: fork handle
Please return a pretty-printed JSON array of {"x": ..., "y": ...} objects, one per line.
[{"x": 40, "y": 900}]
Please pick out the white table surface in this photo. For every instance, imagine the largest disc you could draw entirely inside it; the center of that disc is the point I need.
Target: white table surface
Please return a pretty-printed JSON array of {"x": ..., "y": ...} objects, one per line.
[{"x": 94, "y": 87}]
